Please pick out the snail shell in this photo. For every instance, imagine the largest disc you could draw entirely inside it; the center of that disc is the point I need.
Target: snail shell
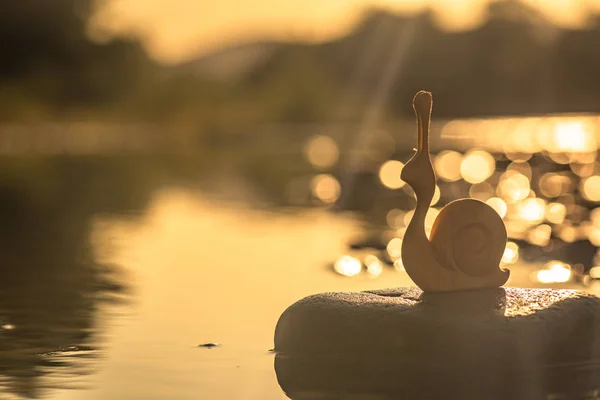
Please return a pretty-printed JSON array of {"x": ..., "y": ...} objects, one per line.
[{"x": 469, "y": 236}]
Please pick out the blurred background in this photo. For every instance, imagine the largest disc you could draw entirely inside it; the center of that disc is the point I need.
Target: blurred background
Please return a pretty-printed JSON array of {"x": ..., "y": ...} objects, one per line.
[{"x": 173, "y": 173}]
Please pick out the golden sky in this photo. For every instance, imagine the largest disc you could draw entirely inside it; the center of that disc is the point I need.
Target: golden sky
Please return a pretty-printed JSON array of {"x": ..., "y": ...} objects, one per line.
[{"x": 175, "y": 30}]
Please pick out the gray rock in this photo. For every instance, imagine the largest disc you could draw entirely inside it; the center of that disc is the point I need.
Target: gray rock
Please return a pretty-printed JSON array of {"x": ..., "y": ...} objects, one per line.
[{"x": 521, "y": 343}]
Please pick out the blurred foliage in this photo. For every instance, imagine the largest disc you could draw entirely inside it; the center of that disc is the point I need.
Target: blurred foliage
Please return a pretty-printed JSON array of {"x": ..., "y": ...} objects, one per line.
[
  {"x": 514, "y": 63},
  {"x": 49, "y": 67}
]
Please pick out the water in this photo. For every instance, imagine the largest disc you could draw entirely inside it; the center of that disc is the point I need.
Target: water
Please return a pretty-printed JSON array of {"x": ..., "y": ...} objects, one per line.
[{"x": 111, "y": 280}]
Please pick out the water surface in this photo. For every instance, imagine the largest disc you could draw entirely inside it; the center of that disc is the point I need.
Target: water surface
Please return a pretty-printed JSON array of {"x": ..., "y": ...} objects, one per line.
[{"x": 106, "y": 301}]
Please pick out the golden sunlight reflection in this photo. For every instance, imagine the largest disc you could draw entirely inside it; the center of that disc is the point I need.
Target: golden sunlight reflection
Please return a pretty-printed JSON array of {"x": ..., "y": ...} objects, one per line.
[
  {"x": 394, "y": 248},
  {"x": 553, "y": 185},
  {"x": 389, "y": 174},
  {"x": 513, "y": 186},
  {"x": 326, "y": 188},
  {"x": 511, "y": 253},
  {"x": 556, "y": 213},
  {"x": 447, "y": 165},
  {"x": 374, "y": 266},
  {"x": 593, "y": 234},
  {"x": 522, "y": 168},
  {"x": 560, "y": 157},
  {"x": 347, "y": 266},
  {"x": 432, "y": 214},
  {"x": 584, "y": 157},
  {"x": 518, "y": 156},
  {"x": 477, "y": 166},
  {"x": 321, "y": 151},
  {"x": 590, "y": 188},
  {"x": 532, "y": 210},
  {"x": 554, "y": 272},
  {"x": 408, "y": 216},
  {"x": 584, "y": 170},
  {"x": 540, "y": 235},
  {"x": 436, "y": 196},
  {"x": 595, "y": 216},
  {"x": 564, "y": 137},
  {"x": 400, "y": 232},
  {"x": 573, "y": 136},
  {"x": 399, "y": 265},
  {"x": 498, "y": 205},
  {"x": 568, "y": 233},
  {"x": 395, "y": 218},
  {"x": 481, "y": 191},
  {"x": 595, "y": 272}
]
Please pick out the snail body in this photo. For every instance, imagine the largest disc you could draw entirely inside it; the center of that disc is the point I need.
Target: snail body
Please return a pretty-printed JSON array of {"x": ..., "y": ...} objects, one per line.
[{"x": 468, "y": 237}]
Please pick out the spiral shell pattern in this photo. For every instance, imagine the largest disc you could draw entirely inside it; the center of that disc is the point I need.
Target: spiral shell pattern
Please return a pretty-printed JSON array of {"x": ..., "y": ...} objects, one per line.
[{"x": 469, "y": 236}]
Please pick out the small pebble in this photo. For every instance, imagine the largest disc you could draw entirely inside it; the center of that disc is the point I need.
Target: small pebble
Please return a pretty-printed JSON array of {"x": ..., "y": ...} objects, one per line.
[{"x": 209, "y": 345}]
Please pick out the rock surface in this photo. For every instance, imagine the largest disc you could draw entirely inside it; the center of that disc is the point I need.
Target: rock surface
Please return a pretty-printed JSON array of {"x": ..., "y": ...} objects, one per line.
[{"x": 514, "y": 342}]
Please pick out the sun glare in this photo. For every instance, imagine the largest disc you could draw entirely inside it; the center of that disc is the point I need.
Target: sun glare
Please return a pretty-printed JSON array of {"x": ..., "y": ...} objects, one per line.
[{"x": 184, "y": 28}]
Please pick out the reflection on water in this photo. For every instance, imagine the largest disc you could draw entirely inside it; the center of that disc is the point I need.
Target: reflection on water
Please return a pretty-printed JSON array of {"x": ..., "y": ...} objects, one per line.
[
  {"x": 110, "y": 280},
  {"x": 541, "y": 175},
  {"x": 209, "y": 272},
  {"x": 50, "y": 285}
]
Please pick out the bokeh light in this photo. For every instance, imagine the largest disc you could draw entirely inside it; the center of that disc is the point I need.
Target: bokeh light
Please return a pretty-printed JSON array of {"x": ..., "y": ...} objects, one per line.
[
  {"x": 498, "y": 205},
  {"x": 477, "y": 166},
  {"x": 511, "y": 253},
  {"x": 374, "y": 266},
  {"x": 399, "y": 265},
  {"x": 513, "y": 186},
  {"x": 556, "y": 213},
  {"x": 408, "y": 217},
  {"x": 447, "y": 165},
  {"x": 590, "y": 188},
  {"x": 522, "y": 168},
  {"x": 430, "y": 218},
  {"x": 540, "y": 235},
  {"x": 584, "y": 170},
  {"x": 436, "y": 196},
  {"x": 593, "y": 234},
  {"x": 481, "y": 191},
  {"x": 518, "y": 156},
  {"x": 347, "y": 265},
  {"x": 573, "y": 136},
  {"x": 326, "y": 188},
  {"x": 595, "y": 216},
  {"x": 554, "y": 272},
  {"x": 321, "y": 151},
  {"x": 395, "y": 218},
  {"x": 394, "y": 248},
  {"x": 532, "y": 210},
  {"x": 389, "y": 174},
  {"x": 568, "y": 233},
  {"x": 553, "y": 184}
]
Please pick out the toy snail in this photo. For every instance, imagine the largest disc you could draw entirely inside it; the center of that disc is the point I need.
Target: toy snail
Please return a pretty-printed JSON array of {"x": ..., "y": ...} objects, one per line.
[{"x": 468, "y": 237}]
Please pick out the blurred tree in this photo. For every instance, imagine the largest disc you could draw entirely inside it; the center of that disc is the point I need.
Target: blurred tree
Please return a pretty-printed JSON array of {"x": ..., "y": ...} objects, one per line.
[
  {"x": 578, "y": 66},
  {"x": 37, "y": 32},
  {"x": 517, "y": 62},
  {"x": 47, "y": 57}
]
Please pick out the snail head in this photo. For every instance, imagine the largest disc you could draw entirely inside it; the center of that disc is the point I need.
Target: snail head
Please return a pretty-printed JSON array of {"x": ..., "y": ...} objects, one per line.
[{"x": 418, "y": 171}]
